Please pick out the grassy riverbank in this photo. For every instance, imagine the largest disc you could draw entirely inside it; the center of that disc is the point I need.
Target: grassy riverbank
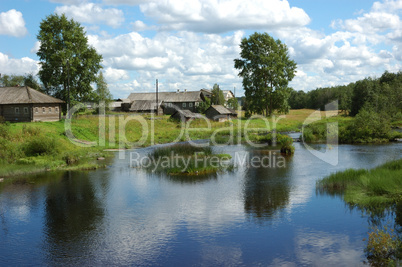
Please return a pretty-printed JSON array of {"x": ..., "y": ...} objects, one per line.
[
  {"x": 366, "y": 127},
  {"x": 380, "y": 187},
  {"x": 40, "y": 146}
]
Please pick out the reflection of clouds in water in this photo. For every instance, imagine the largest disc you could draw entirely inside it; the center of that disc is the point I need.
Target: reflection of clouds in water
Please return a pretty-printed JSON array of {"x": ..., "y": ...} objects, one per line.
[
  {"x": 321, "y": 248},
  {"x": 215, "y": 255},
  {"x": 139, "y": 234}
]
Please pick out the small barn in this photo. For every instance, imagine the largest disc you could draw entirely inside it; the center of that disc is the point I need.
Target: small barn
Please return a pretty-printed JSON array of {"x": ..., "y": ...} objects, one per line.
[
  {"x": 185, "y": 115},
  {"x": 22, "y": 103},
  {"x": 219, "y": 113}
]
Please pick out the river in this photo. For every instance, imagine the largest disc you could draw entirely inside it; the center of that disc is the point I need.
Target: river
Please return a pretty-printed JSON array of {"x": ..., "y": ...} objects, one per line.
[{"x": 246, "y": 217}]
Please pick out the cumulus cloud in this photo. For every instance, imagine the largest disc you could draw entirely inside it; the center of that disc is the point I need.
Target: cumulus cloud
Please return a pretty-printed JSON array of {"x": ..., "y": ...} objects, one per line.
[
  {"x": 93, "y": 13},
  {"x": 17, "y": 66},
  {"x": 12, "y": 23},
  {"x": 217, "y": 16},
  {"x": 113, "y": 75}
]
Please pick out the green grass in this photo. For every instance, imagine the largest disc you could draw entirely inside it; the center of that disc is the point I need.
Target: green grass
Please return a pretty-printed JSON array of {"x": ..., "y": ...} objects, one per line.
[
  {"x": 187, "y": 159},
  {"x": 48, "y": 142},
  {"x": 376, "y": 188}
]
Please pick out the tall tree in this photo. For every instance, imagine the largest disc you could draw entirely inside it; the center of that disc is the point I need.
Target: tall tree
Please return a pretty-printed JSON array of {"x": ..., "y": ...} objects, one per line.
[
  {"x": 266, "y": 70},
  {"x": 21, "y": 80},
  {"x": 66, "y": 58},
  {"x": 102, "y": 93},
  {"x": 217, "y": 97}
]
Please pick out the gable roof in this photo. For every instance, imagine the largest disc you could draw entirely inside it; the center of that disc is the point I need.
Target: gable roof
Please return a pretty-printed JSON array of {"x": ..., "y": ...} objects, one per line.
[
  {"x": 189, "y": 96},
  {"x": 25, "y": 95},
  {"x": 187, "y": 114},
  {"x": 221, "y": 109}
]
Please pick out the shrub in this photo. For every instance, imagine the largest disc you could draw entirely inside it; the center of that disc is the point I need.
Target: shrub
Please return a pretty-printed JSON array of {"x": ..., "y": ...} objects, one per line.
[
  {"x": 286, "y": 143},
  {"x": 40, "y": 145},
  {"x": 71, "y": 157},
  {"x": 4, "y": 133},
  {"x": 382, "y": 246}
]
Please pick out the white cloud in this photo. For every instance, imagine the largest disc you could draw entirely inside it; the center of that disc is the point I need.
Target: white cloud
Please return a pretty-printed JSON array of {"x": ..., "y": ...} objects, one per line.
[
  {"x": 17, "y": 66},
  {"x": 126, "y": 2},
  {"x": 217, "y": 16},
  {"x": 113, "y": 75},
  {"x": 12, "y": 23},
  {"x": 69, "y": 2},
  {"x": 35, "y": 48},
  {"x": 93, "y": 13}
]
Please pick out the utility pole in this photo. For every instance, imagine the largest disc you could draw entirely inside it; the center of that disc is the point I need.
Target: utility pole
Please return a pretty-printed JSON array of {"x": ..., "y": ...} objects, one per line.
[{"x": 157, "y": 102}]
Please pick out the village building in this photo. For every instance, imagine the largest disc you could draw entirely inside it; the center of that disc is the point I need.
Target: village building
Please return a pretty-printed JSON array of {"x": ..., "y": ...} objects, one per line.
[
  {"x": 227, "y": 94},
  {"x": 168, "y": 102},
  {"x": 24, "y": 104},
  {"x": 219, "y": 113},
  {"x": 185, "y": 115}
]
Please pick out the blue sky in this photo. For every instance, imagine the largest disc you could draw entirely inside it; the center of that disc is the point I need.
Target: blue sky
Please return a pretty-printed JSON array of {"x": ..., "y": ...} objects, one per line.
[{"x": 191, "y": 44}]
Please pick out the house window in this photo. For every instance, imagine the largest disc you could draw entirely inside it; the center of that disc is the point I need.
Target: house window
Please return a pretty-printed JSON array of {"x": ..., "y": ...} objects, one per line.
[
  {"x": 50, "y": 110},
  {"x": 36, "y": 110},
  {"x": 184, "y": 105},
  {"x": 57, "y": 109},
  {"x": 43, "y": 110},
  {"x": 25, "y": 110},
  {"x": 17, "y": 110},
  {"x": 190, "y": 105}
]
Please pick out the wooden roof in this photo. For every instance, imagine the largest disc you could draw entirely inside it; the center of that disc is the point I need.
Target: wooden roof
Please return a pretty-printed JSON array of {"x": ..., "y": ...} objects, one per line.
[
  {"x": 222, "y": 110},
  {"x": 187, "y": 114},
  {"x": 189, "y": 96},
  {"x": 144, "y": 105},
  {"x": 25, "y": 95}
]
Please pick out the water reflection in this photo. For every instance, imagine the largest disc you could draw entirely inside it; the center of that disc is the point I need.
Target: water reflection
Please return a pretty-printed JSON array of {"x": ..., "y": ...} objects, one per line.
[
  {"x": 266, "y": 190},
  {"x": 74, "y": 210},
  {"x": 126, "y": 216}
]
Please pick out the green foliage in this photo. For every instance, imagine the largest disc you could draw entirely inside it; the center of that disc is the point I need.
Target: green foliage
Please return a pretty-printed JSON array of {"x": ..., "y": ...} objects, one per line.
[
  {"x": 286, "y": 143},
  {"x": 266, "y": 69},
  {"x": 22, "y": 80},
  {"x": 102, "y": 93},
  {"x": 369, "y": 124},
  {"x": 217, "y": 97},
  {"x": 204, "y": 105},
  {"x": 66, "y": 58},
  {"x": 233, "y": 103},
  {"x": 382, "y": 246},
  {"x": 41, "y": 145}
]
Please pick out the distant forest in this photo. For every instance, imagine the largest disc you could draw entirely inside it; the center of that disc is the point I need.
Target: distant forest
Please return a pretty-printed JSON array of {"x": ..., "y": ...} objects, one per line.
[{"x": 379, "y": 95}]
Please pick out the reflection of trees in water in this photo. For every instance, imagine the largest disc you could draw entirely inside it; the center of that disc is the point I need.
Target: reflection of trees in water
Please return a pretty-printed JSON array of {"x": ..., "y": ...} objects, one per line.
[
  {"x": 266, "y": 190},
  {"x": 74, "y": 210}
]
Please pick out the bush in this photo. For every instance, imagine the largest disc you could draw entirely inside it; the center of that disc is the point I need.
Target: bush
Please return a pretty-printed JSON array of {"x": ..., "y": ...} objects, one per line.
[
  {"x": 40, "y": 145},
  {"x": 71, "y": 157},
  {"x": 286, "y": 143},
  {"x": 382, "y": 246}
]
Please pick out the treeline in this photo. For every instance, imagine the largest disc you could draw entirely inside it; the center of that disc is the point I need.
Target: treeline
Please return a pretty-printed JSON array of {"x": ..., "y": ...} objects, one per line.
[{"x": 380, "y": 95}]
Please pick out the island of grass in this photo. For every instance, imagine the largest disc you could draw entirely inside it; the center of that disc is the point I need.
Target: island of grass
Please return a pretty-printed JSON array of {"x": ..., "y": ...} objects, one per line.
[
  {"x": 378, "y": 188},
  {"x": 187, "y": 159}
]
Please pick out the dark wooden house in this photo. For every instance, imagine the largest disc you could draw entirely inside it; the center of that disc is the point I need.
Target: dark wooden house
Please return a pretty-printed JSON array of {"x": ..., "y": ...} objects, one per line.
[
  {"x": 219, "y": 113},
  {"x": 22, "y": 103},
  {"x": 185, "y": 115},
  {"x": 170, "y": 102}
]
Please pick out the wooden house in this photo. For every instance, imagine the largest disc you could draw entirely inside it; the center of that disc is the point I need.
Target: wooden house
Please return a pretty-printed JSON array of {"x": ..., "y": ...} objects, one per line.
[
  {"x": 219, "y": 113},
  {"x": 22, "y": 103},
  {"x": 185, "y": 115},
  {"x": 170, "y": 102}
]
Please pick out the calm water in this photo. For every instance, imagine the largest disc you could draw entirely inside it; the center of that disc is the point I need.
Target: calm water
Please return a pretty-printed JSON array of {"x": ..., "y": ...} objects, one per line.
[{"x": 126, "y": 216}]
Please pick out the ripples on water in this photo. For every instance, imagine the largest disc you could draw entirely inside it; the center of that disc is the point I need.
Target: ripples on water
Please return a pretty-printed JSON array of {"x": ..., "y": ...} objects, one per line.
[{"x": 126, "y": 216}]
